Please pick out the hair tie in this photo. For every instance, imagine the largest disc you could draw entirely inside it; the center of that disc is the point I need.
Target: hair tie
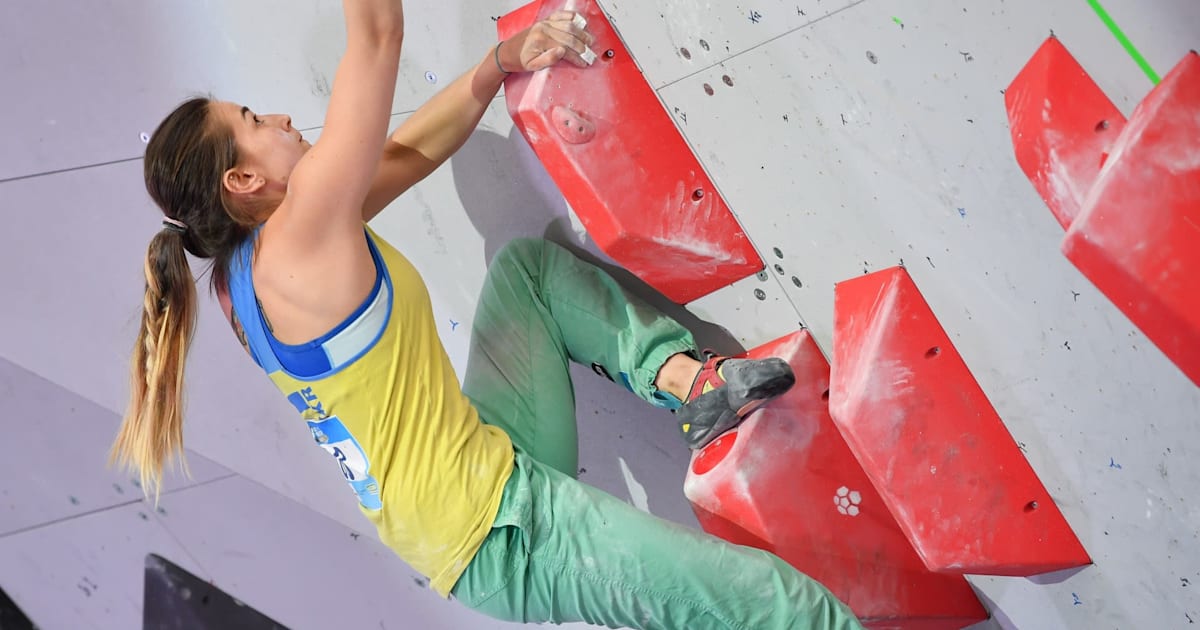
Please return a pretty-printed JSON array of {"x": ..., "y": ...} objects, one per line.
[{"x": 174, "y": 225}]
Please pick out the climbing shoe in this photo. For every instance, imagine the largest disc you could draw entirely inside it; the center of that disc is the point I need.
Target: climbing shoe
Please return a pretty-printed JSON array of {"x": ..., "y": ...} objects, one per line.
[{"x": 726, "y": 391}]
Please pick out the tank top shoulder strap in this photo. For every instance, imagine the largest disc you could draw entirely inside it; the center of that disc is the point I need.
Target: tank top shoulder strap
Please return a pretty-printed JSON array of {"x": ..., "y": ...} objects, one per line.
[
  {"x": 325, "y": 355},
  {"x": 245, "y": 306}
]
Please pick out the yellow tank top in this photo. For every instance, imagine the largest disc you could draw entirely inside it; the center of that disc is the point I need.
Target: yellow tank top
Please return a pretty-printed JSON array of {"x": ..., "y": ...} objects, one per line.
[{"x": 380, "y": 395}]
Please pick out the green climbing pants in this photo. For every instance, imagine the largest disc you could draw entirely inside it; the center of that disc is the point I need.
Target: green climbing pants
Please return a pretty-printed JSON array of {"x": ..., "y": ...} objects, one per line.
[{"x": 561, "y": 550}]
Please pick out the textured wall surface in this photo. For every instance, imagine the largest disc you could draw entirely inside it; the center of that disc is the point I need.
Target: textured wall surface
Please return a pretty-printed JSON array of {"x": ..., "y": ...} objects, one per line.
[{"x": 849, "y": 135}]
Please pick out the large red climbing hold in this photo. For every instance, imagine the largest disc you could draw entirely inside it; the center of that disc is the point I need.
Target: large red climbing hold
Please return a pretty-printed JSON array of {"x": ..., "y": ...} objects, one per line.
[
  {"x": 1063, "y": 127},
  {"x": 623, "y": 166},
  {"x": 930, "y": 441},
  {"x": 1127, "y": 192},
  {"x": 1137, "y": 237},
  {"x": 785, "y": 481}
]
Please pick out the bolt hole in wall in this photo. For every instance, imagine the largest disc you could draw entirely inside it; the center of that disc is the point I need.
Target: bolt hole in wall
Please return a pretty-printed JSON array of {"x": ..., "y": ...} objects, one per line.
[
  {"x": 1101, "y": 126},
  {"x": 1031, "y": 506},
  {"x": 933, "y": 352},
  {"x": 698, "y": 194}
]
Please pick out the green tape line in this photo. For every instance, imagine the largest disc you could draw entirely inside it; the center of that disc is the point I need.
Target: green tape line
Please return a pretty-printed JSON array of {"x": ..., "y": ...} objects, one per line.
[{"x": 1125, "y": 43}]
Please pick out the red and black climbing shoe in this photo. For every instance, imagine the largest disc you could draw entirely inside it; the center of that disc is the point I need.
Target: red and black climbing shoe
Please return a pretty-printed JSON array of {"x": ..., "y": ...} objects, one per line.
[{"x": 726, "y": 391}]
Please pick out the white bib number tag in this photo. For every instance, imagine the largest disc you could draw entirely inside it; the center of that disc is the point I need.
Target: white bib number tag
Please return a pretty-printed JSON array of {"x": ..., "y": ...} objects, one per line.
[{"x": 332, "y": 436}]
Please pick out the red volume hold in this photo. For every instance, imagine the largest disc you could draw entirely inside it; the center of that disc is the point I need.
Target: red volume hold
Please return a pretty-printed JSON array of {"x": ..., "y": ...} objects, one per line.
[
  {"x": 623, "y": 166},
  {"x": 785, "y": 481},
  {"x": 931, "y": 442}
]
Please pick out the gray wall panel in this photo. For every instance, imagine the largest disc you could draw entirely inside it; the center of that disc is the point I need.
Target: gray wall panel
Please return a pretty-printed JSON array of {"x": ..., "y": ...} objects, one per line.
[
  {"x": 86, "y": 572},
  {"x": 57, "y": 465},
  {"x": 301, "y": 569},
  {"x": 93, "y": 76}
]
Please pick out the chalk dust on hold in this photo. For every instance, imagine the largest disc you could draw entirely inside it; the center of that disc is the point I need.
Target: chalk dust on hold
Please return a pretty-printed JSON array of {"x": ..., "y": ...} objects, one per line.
[
  {"x": 681, "y": 228},
  {"x": 876, "y": 423},
  {"x": 784, "y": 428},
  {"x": 857, "y": 383},
  {"x": 1070, "y": 173},
  {"x": 1130, "y": 192}
]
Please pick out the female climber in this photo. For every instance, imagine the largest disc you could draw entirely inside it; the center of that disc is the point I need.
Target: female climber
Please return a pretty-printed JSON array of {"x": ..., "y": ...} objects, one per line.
[{"x": 473, "y": 486}]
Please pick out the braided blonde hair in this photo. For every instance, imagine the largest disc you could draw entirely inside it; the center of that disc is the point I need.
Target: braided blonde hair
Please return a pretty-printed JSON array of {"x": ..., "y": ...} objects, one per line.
[
  {"x": 152, "y": 431},
  {"x": 185, "y": 161}
]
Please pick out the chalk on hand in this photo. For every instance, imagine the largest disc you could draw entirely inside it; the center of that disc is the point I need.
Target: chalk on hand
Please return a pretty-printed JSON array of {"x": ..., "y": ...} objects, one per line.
[{"x": 587, "y": 55}]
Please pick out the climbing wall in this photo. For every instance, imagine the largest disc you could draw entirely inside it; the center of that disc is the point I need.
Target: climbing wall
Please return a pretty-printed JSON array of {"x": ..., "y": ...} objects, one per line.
[{"x": 845, "y": 136}]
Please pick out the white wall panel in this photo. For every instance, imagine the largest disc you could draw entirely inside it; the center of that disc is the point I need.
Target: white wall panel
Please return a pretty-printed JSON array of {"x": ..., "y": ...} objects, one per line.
[
  {"x": 673, "y": 39},
  {"x": 752, "y": 311},
  {"x": 853, "y": 144}
]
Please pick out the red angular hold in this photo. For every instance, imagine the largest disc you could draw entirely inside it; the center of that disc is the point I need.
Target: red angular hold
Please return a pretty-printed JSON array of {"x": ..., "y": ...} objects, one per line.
[
  {"x": 1137, "y": 237},
  {"x": 1063, "y": 128},
  {"x": 785, "y": 481},
  {"x": 931, "y": 442},
  {"x": 623, "y": 166}
]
